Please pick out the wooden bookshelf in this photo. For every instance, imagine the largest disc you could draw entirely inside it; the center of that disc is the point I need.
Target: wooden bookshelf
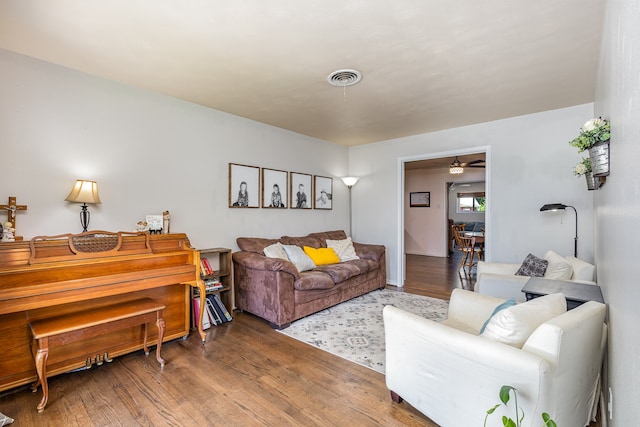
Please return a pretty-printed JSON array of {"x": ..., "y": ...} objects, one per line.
[{"x": 220, "y": 260}]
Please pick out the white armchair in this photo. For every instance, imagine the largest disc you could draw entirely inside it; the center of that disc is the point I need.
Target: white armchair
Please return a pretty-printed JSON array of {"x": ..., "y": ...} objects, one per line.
[
  {"x": 452, "y": 375},
  {"x": 500, "y": 280}
]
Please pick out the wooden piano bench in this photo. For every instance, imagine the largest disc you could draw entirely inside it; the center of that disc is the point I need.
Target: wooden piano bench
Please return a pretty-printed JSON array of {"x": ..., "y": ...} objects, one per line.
[{"x": 56, "y": 331}]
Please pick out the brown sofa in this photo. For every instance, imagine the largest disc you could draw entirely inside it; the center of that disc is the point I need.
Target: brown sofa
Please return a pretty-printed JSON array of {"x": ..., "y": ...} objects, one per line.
[{"x": 273, "y": 289}]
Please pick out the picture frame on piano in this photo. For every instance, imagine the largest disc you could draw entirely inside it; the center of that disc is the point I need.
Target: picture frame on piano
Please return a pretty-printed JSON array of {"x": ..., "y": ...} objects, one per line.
[{"x": 154, "y": 224}]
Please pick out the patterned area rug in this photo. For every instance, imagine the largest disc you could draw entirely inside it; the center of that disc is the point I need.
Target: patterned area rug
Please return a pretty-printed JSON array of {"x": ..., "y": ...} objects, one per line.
[{"x": 354, "y": 330}]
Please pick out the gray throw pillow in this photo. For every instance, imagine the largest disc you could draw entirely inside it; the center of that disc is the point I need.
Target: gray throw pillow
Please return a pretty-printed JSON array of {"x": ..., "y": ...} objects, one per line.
[
  {"x": 297, "y": 256},
  {"x": 532, "y": 266}
]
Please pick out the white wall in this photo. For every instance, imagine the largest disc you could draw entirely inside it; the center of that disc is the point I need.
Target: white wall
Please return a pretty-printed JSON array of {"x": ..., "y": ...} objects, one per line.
[
  {"x": 617, "y": 204},
  {"x": 425, "y": 227},
  {"x": 148, "y": 153},
  {"x": 531, "y": 164},
  {"x": 426, "y": 230}
]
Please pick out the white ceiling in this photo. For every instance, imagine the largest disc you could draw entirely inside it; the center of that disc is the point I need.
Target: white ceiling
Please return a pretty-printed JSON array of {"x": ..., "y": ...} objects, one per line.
[{"x": 427, "y": 65}]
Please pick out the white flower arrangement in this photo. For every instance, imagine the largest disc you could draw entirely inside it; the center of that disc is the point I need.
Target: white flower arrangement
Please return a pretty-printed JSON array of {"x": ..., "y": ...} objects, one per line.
[
  {"x": 593, "y": 131},
  {"x": 593, "y": 124},
  {"x": 583, "y": 167}
]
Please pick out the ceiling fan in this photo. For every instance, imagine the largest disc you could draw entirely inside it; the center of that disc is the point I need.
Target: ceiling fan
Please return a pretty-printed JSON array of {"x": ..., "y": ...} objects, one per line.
[
  {"x": 457, "y": 166},
  {"x": 480, "y": 163}
]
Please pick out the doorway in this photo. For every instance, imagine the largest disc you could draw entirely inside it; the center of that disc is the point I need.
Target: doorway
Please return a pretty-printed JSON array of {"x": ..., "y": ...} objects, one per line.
[{"x": 424, "y": 230}]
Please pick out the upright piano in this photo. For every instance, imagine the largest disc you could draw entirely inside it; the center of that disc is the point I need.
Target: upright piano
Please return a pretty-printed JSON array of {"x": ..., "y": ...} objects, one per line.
[{"x": 55, "y": 275}]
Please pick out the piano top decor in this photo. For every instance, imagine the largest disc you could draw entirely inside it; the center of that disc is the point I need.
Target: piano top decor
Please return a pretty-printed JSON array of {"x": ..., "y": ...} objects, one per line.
[{"x": 90, "y": 244}]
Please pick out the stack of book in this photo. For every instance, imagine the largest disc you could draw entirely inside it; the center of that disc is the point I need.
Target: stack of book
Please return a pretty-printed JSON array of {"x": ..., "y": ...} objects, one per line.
[
  {"x": 213, "y": 284},
  {"x": 215, "y": 311},
  {"x": 205, "y": 267}
]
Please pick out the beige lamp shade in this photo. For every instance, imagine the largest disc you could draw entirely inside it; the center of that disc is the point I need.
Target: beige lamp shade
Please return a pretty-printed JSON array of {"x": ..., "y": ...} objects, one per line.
[{"x": 84, "y": 192}]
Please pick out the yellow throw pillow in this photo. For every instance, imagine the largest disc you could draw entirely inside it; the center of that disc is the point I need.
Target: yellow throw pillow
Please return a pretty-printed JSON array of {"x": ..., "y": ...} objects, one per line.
[{"x": 322, "y": 256}]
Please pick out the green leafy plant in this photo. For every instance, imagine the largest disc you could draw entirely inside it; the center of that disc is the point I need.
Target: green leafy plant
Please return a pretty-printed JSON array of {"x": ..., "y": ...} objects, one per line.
[
  {"x": 592, "y": 132},
  {"x": 482, "y": 204},
  {"x": 505, "y": 395}
]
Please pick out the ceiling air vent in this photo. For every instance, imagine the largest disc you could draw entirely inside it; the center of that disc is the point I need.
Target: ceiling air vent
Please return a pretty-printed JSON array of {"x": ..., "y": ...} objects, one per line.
[{"x": 344, "y": 78}]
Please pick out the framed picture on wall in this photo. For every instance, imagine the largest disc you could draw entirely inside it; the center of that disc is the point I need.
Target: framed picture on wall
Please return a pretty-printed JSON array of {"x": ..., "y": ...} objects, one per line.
[
  {"x": 274, "y": 188},
  {"x": 244, "y": 186},
  {"x": 300, "y": 190},
  {"x": 420, "y": 199},
  {"x": 322, "y": 192}
]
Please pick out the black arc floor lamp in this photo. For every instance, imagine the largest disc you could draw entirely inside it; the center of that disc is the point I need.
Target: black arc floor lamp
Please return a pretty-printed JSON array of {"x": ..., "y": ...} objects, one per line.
[{"x": 562, "y": 207}]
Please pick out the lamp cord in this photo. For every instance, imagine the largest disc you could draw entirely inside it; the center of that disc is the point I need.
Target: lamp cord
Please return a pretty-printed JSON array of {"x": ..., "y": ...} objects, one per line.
[{"x": 575, "y": 240}]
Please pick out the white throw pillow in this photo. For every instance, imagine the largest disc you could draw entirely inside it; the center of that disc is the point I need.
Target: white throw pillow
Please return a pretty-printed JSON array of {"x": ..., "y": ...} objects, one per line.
[
  {"x": 558, "y": 268},
  {"x": 581, "y": 270},
  {"x": 275, "y": 251},
  {"x": 297, "y": 256},
  {"x": 513, "y": 325},
  {"x": 344, "y": 249}
]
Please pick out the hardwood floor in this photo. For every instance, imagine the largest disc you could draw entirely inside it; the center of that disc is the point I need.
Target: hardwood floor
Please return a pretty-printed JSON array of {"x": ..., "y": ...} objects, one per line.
[
  {"x": 436, "y": 277},
  {"x": 246, "y": 374}
]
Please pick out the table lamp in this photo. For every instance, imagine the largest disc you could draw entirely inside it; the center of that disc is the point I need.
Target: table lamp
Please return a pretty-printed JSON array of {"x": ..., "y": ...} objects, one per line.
[{"x": 84, "y": 192}]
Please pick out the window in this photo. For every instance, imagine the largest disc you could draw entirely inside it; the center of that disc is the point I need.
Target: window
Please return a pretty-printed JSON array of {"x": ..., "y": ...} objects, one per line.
[{"x": 471, "y": 202}]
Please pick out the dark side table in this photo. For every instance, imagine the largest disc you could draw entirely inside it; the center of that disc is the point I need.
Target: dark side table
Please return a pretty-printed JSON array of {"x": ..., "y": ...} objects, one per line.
[{"x": 575, "y": 293}]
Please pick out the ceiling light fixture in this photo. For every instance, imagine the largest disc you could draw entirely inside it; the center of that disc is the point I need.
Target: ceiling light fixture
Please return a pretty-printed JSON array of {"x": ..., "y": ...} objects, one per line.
[{"x": 456, "y": 167}]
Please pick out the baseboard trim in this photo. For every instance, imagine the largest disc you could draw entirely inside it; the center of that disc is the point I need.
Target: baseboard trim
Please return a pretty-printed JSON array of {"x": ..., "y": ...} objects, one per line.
[{"x": 426, "y": 254}]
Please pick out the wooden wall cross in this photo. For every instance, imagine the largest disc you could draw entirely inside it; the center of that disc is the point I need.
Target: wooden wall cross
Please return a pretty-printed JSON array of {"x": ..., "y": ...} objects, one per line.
[{"x": 11, "y": 208}]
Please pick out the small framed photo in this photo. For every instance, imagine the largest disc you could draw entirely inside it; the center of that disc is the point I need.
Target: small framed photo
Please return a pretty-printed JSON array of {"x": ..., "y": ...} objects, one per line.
[
  {"x": 300, "y": 190},
  {"x": 323, "y": 192},
  {"x": 420, "y": 199},
  {"x": 244, "y": 186},
  {"x": 274, "y": 188},
  {"x": 154, "y": 224}
]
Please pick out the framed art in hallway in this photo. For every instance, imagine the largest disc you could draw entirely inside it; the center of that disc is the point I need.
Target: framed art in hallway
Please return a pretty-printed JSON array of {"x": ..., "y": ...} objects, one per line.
[
  {"x": 420, "y": 199},
  {"x": 300, "y": 190},
  {"x": 322, "y": 192},
  {"x": 244, "y": 186},
  {"x": 274, "y": 188}
]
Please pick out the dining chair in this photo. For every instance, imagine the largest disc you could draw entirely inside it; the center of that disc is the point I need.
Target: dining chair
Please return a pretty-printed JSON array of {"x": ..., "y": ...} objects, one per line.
[
  {"x": 459, "y": 228},
  {"x": 451, "y": 240},
  {"x": 471, "y": 253},
  {"x": 479, "y": 244}
]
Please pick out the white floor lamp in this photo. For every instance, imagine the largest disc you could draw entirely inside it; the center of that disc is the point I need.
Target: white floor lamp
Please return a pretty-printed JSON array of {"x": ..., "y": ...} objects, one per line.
[{"x": 350, "y": 181}]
